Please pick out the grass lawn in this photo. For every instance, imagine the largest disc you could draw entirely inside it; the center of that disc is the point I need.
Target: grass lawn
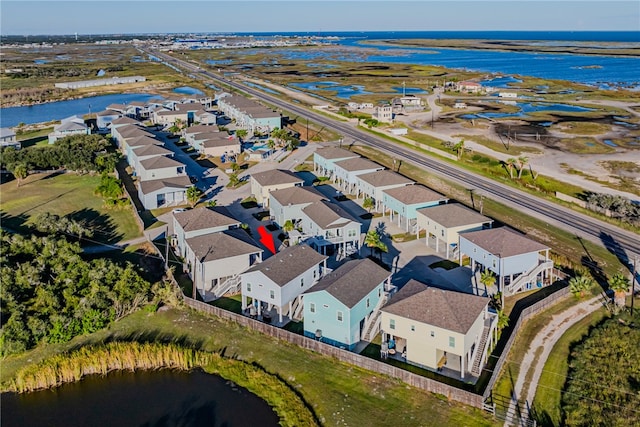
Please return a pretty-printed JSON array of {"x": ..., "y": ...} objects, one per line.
[
  {"x": 66, "y": 194},
  {"x": 339, "y": 393},
  {"x": 546, "y": 404}
]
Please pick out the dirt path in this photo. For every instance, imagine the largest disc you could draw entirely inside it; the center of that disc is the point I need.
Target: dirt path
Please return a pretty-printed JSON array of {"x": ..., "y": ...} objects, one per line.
[{"x": 545, "y": 340}]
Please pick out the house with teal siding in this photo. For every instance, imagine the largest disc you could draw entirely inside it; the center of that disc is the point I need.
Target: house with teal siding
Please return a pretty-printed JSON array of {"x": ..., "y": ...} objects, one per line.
[
  {"x": 346, "y": 172},
  {"x": 324, "y": 160},
  {"x": 342, "y": 307},
  {"x": 402, "y": 203}
]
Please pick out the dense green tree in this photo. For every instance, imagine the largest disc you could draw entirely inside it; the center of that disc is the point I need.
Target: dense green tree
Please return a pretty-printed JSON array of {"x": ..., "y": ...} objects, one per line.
[
  {"x": 620, "y": 285},
  {"x": 368, "y": 203},
  {"x": 234, "y": 180},
  {"x": 20, "y": 171},
  {"x": 194, "y": 194},
  {"x": 579, "y": 285},
  {"x": 110, "y": 188}
]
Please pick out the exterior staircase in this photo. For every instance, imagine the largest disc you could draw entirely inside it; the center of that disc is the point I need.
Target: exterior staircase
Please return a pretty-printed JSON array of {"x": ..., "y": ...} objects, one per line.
[
  {"x": 372, "y": 324},
  {"x": 481, "y": 350},
  {"x": 525, "y": 278},
  {"x": 229, "y": 285}
]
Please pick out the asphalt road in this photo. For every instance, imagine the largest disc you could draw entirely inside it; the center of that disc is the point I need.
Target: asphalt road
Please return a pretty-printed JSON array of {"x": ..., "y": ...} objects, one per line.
[{"x": 625, "y": 244}]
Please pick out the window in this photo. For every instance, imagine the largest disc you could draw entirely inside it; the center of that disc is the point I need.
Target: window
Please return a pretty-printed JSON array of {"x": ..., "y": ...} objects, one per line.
[
  {"x": 315, "y": 274},
  {"x": 325, "y": 305},
  {"x": 392, "y": 324},
  {"x": 339, "y": 316},
  {"x": 272, "y": 294},
  {"x": 474, "y": 250},
  {"x": 312, "y": 307},
  {"x": 352, "y": 233},
  {"x": 413, "y": 328},
  {"x": 433, "y": 334},
  {"x": 442, "y": 232},
  {"x": 452, "y": 341},
  {"x": 494, "y": 263},
  {"x": 368, "y": 303},
  {"x": 248, "y": 287},
  {"x": 379, "y": 292},
  {"x": 302, "y": 282}
]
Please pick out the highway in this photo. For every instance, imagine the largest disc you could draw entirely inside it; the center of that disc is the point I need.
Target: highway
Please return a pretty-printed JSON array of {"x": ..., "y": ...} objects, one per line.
[{"x": 625, "y": 244}]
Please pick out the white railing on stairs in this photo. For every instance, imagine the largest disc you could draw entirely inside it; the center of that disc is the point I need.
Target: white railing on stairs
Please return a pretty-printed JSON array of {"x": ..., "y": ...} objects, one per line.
[{"x": 525, "y": 278}]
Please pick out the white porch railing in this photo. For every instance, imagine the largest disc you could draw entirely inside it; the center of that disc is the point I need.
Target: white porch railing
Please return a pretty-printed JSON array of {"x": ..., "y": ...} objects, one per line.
[
  {"x": 231, "y": 284},
  {"x": 525, "y": 278}
]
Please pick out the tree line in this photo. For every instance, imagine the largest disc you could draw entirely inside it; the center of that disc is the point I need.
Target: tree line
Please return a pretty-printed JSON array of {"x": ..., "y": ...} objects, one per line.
[
  {"x": 51, "y": 294},
  {"x": 620, "y": 207},
  {"x": 81, "y": 153}
]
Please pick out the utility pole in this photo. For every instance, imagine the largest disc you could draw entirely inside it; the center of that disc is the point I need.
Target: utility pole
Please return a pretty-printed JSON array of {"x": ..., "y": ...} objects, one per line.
[
  {"x": 166, "y": 248},
  {"x": 633, "y": 284}
]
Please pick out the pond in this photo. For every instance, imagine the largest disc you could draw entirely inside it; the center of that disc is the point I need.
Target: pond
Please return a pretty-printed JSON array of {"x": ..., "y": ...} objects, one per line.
[
  {"x": 529, "y": 107},
  {"x": 342, "y": 92},
  {"x": 145, "y": 398},
  {"x": 58, "y": 110},
  {"x": 188, "y": 90}
]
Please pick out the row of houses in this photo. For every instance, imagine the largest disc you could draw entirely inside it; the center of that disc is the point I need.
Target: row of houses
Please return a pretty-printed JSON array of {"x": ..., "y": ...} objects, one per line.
[
  {"x": 248, "y": 114},
  {"x": 209, "y": 141}
]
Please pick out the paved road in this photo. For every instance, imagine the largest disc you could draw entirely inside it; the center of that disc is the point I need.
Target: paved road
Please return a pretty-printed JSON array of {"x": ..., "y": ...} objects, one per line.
[{"x": 624, "y": 243}]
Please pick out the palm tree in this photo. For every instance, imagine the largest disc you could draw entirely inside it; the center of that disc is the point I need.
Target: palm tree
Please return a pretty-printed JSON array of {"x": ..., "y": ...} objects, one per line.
[
  {"x": 288, "y": 226},
  {"x": 579, "y": 285},
  {"x": 619, "y": 284},
  {"x": 503, "y": 320},
  {"x": 212, "y": 203},
  {"x": 372, "y": 240},
  {"x": 522, "y": 161},
  {"x": 193, "y": 195},
  {"x": 368, "y": 203},
  {"x": 234, "y": 180},
  {"x": 459, "y": 148},
  {"x": 20, "y": 171},
  {"x": 511, "y": 163},
  {"x": 487, "y": 278}
]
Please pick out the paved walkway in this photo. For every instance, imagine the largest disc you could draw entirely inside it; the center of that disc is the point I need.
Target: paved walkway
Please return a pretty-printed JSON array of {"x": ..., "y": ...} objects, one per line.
[{"x": 545, "y": 340}]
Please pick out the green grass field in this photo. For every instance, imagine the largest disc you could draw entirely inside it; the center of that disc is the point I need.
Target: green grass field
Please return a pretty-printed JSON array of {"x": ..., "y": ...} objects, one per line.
[
  {"x": 65, "y": 194},
  {"x": 339, "y": 393}
]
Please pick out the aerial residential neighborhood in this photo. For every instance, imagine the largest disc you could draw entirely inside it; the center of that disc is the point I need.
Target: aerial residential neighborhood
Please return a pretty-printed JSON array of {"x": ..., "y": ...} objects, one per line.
[{"x": 351, "y": 228}]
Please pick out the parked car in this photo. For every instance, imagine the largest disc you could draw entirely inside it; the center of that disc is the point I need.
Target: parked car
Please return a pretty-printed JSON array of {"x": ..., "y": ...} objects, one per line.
[{"x": 193, "y": 179}]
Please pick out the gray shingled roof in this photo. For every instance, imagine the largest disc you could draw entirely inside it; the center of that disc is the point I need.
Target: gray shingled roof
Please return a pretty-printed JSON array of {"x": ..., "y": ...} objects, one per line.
[
  {"x": 453, "y": 215},
  {"x": 201, "y": 129},
  {"x": 156, "y": 184},
  {"x": 358, "y": 164},
  {"x": 352, "y": 281},
  {"x": 207, "y": 135},
  {"x": 503, "y": 242},
  {"x": 108, "y": 113},
  {"x": 225, "y": 244},
  {"x": 331, "y": 153},
  {"x": 143, "y": 140},
  {"x": 220, "y": 142},
  {"x": 384, "y": 178},
  {"x": 289, "y": 263},
  {"x": 414, "y": 194},
  {"x": 203, "y": 218},
  {"x": 325, "y": 213},
  {"x": 6, "y": 133},
  {"x": 151, "y": 150},
  {"x": 132, "y": 130},
  {"x": 124, "y": 120},
  {"x": 297, "y": 195},
  {"x": 276, "y": 177},
  {"x": 160, "y": 162},
  {"x": 450, "y": 310}
]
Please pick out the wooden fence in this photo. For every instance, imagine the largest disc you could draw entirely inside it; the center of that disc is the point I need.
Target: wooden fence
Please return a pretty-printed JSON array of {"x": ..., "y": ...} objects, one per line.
[
  {"x": 407, "y": 377},
  {"x": 526, "y": 313}
]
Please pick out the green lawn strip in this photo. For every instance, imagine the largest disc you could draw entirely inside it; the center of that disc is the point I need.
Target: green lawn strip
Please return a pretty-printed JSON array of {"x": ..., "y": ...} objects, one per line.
[
  {"x": 66, "y": 194},
  {"x": 339, "y": 393},
  {"x": 546, "y": 404},
  {"x": 565, "y": 244},
  {"x": 514, "y": 150},
  {"x": 528, "y": 330}
]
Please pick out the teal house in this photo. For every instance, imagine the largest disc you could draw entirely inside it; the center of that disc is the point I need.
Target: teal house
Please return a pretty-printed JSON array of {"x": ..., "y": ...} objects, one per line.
[
  {"x": 402, "y": 203},
  {"x": 344, "y": 305},
  {"x": 324, "y": 160}
]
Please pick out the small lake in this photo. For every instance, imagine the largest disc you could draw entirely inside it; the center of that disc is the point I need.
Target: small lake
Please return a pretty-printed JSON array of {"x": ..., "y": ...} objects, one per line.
[
  {"x": 58, "y": 110},
  {"x": 145, "y": 398},
  {"x": 188, "y": 90},
  {"x": 527, "y": 107},
  {"x": 500, "y": 82},
  {"x": 342, "y": 92}
]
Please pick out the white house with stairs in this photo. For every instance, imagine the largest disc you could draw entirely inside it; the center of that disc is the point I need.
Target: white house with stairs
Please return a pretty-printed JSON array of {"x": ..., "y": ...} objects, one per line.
[{"x": 278, "y": 282}]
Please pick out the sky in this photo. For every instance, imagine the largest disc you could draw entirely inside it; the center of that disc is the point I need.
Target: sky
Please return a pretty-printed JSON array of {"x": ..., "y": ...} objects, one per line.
[{"x": 27, "y": 17}]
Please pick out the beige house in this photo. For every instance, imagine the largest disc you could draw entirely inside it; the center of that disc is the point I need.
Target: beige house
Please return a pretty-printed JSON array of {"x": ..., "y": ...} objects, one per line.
[
  {"x": 265, "y": 182},
  {"x": 439, "y": 329},
  {"x": 446, "y": 222}
]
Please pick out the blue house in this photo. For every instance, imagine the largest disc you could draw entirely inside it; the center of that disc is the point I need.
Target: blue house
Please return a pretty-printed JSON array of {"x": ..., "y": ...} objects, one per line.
[
  {"x": 403, "y": 202},
  {"x": 344, "y": 305},
  {"x": 324, "y": 160}
]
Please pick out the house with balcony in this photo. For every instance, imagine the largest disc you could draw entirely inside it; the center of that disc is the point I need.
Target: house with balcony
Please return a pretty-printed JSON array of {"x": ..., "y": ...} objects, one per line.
[
  {"x": 200, "y": 221},
  {"x": 130, "y": 144},
  {"x": 73, "y": 125},
  {"x": 324, "y": 160},
  {"x": 440, "y": 330},
  {"x": 214, "y": 261},
  {"x": 345, "y": 172},
  {"x": 278, "y": 282},
  {"x": 343, "y": 307},
  {"x": 158, "y": 193},
  {"x": 519, "y": 263},
  {"x": 249, "y": 114},
  {"x": 104, "y": 119},
  {"x": 146, "y": 152},
  {"x": 287, "y": 203},
  {"x": 372, "y": 184},
  {"x": 329, "y": 227},
  {"x": 263, "y": 183},
  {"x": 444, "y": 223},
  {"x": 404, "y": 202},
  {"x": 216, "y": 144},
  {"x": 160, "y": 167}
]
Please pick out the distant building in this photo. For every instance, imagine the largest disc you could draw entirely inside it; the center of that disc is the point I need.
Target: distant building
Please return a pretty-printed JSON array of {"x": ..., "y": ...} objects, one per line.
[
  {"x": 460, "y": 105},
  {"x": 100, "y": 82},
  {"x": 8, "y": 138},
  {"x": 383, "y": 113},
  {"x": 469, "y": 87},
  {"x": 507, "y": 94},
  {"x": 73, "y": 125}
]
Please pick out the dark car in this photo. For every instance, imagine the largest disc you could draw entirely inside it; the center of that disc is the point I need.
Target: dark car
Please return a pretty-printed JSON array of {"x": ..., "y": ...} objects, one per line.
[{"x": 193, "y": 179}]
